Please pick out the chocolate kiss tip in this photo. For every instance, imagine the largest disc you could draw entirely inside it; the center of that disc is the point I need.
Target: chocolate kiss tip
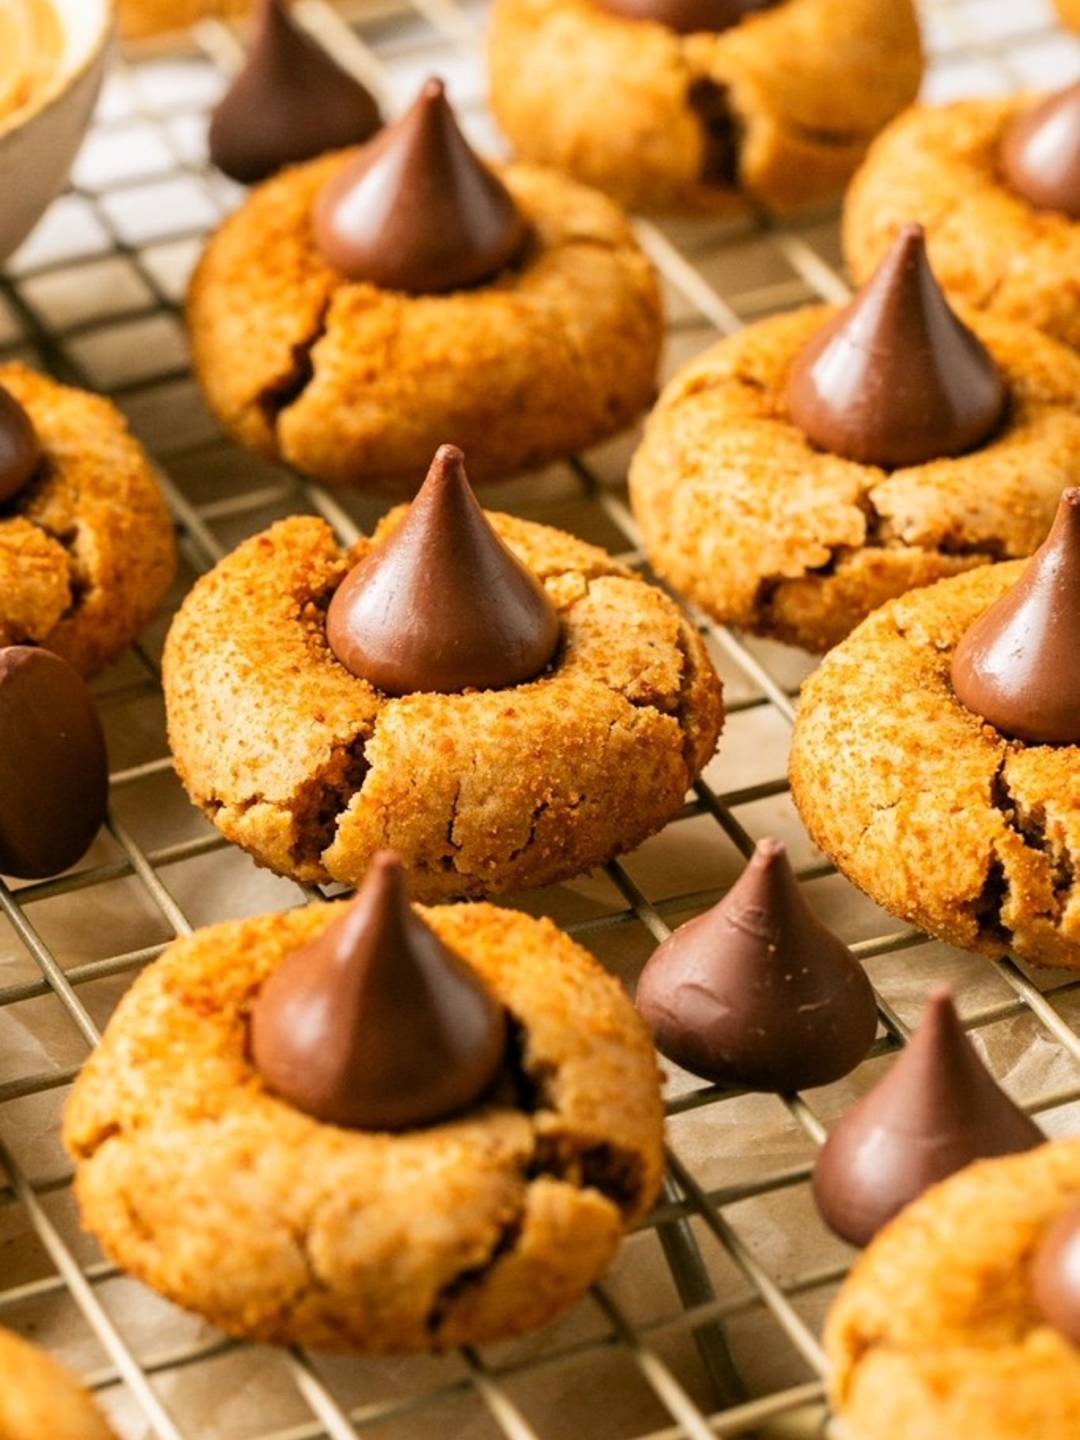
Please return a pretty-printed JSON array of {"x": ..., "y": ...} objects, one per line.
[
  {"x": 1040, "y": 153},
  {"x": 417, "y": 210},
  {"x": 757, "y": 993},
  {"x": 1055, "y": 1274},
  {"x": 289, "y": 102},
  {"x": 937, "y": 1110},
  {"x": 20, "y": 449},
  {"x": 689, "y": 17},
  {"x": 375, "y": 1024},
  {"x": 896, "y": 378},
  {"x": 443, "y": 605},
  {"x": 1018, "y": 665}
]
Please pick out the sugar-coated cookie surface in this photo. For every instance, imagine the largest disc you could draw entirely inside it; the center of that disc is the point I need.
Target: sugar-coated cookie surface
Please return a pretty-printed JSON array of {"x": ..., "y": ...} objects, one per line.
[
  {"x": 936, "y": 1332},
  {"x": 799, "y": 89},
  {"x": 359, "y": 385},
  {"x": 312, "y": 770},
  {"x": 86, "y": 550},
  {"x": 744, "y": 516},
  {"x": 40, "y": 1401},
  {"x": 989, "y": 247},
  {"x": 930, "y": 811},
  {"x": 273, "y": 1225}
]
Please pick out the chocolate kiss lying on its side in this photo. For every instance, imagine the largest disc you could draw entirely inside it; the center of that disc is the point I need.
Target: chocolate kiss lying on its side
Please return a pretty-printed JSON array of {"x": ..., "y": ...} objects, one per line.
[
  {"x": 53, "y": 769},
  {"x": 896, "y": 379},
  {"x": 937, "y": 1110},
  {"x": 688, "y": 17},
  {"x": 442, "y": 605},
  {"x": 20, "y": 449},
  {"x": 756, "y": 992},
  {"x": 1055, "y": 1275},
  {"x": 1018, "y": 666},
  {"x": 289, "y": 102},
  {"x": 376, "y": 1024},
  {"x": 417, "y": 210},
  {"x": 1040, "y": 154}
]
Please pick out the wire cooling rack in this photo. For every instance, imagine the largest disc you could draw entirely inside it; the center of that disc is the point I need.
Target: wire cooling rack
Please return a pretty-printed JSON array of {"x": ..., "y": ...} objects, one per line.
[{"x": 707, "y": 1325}]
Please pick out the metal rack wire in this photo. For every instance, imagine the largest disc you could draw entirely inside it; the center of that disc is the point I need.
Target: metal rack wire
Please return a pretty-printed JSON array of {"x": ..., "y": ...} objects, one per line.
[{"x": 706, "y": 1326}]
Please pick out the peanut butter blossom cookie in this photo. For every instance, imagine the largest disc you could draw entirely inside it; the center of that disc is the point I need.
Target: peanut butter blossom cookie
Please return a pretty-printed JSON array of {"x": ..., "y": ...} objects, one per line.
[
  {"x": 963, "y": 1317},
  {"x": 996, "y": 182},
  {"x": 86, "y": 542},
  {"x": 936, "y": 757},
  {"x": 501, "y": 703},
  {"x": 400, "y": 1130},
  {"x": 812, "y": 466},
  {"x": 359, "y": 309},
  {"x": 703, "y": 105},
  {"x": 141, "y": 18},
  {"x": 41, "y": 1401}
]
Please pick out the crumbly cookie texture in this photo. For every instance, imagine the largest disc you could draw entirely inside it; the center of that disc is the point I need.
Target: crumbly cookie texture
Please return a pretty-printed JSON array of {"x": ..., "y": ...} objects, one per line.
[
  {"x": 274, "y": 1225},
  {"x": 928, "y": 809},
  {"x": 618, "y": 102},
  {"x": 312, "y": 770},
  {"x": 87, "y": 550},
  {"x": 358, "y": 385},
  {"x": 140, "y": 18},
  {"x": 988, "y": 247},
  {"x": 760, "y": 529},
  {"x": 936, "y": 1333},
  {"x": 40, "y": 1401}
]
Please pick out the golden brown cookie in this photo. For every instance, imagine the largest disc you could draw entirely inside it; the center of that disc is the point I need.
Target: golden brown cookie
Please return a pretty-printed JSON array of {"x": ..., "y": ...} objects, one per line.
[
  {"x": 39, "y": 1400},
  {"x": 989, "y": 247},
  {"x": 793, "y": 96},
  {"x": 358, "y": 385},
  {"x": 87, "y": 550},
  {"x": 935, "y": 815},
  {"x": 936, "y": 1333},
  {"x": 761, "y": 530},
  {"x": 274, "y": 1225},
  {"x": 140, "y": 18},
  {"x": 313, "y": 770}
]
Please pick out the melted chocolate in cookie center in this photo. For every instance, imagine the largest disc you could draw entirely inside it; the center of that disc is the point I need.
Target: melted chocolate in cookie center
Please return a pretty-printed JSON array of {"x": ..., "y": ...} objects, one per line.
[
  {"x": 443, "y": 605},
  {"x": 1055, "y": 1275},
  {"x": 937, "y": 1110},
  {"x": 417, "y": 210},
  {"x": 1018, "y": 666},
  {"x": 688, "y": 17},
  {"x": 376, "y": 1024},
  {"x": 1040, "y": 154},
  {"x": 289, "y": 102},
  {"x": 757, "y": 992},
  {"x": 896, "y": 378},
  {"x": 20, "y": 449}
]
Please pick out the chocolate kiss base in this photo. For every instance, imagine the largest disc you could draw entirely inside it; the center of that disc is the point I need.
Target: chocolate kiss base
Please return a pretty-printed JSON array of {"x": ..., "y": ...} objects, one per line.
[
  {"x": 937, "y": 1110},
  {"x": 895, "y": 379},
  {"x": 1018, "y": 666},
  {"x": 377, "y": 1025},
  {"x": 289, "y": 102},
  {"x": 757, "y": 993},
  {"x": 443, "y": 605}
]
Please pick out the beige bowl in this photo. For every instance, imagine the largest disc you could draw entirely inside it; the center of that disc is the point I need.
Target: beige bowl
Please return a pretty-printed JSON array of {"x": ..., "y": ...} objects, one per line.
[{"x": 39, "y": 143}]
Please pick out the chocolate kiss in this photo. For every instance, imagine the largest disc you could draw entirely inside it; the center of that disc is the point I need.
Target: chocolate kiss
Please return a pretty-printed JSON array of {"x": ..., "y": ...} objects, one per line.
[
  {"x": 289, "y": 102},
  {"x": 20, "y": 450},
  {"x": 756, "y": 992},
  {"x": 376, "y": 1024},
  {"x": 937, "y": 1110},
  {"x": 417, "y": 210},
  {"x": 1040, "y": 154},
  {"x": 688, "y": 17},
  {"x": 896, "y": 379},
  {"x": 1055, "y": 1275},
  {"x": 1018, "y": 666},
  {"x": 442, "y": 605},
  {"x": 53, "y": 769}
]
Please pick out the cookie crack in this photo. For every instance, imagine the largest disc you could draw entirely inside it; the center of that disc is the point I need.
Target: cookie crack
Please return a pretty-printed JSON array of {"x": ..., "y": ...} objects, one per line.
[
  {"x": 1031, "y": 827},
  {"x": 317, "y": 809},
  {"x": 275, "y": 398}
]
